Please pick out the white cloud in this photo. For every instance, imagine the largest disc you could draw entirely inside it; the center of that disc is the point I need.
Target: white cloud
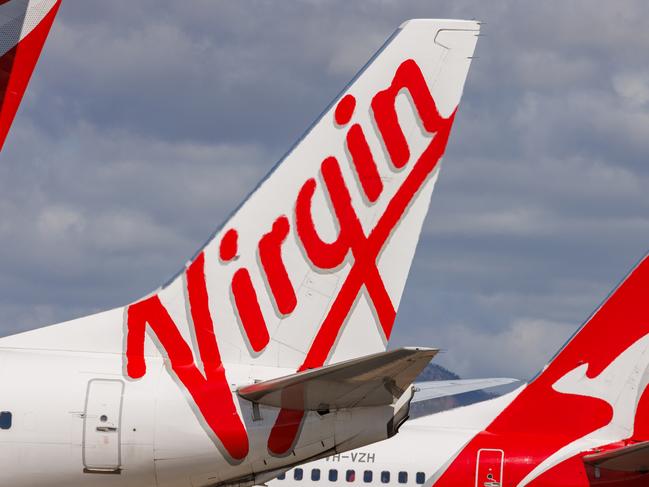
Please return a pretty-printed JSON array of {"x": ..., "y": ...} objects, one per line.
[
  {"x": 520, "y": 348},
  {"x": 59, "y": 222},
  {"x": 633, "y": 87}
]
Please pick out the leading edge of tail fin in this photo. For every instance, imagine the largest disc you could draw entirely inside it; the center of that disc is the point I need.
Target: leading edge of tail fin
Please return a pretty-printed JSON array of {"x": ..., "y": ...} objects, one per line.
[{"x": 24, "y": 27}]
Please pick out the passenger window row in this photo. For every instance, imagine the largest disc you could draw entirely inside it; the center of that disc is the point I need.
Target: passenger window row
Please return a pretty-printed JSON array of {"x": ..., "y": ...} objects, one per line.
[{"x": 350, "y": 476}]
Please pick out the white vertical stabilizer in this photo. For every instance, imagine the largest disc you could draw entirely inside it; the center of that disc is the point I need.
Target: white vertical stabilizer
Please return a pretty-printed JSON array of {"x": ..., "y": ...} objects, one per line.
[{"x": 311, "y": 267}]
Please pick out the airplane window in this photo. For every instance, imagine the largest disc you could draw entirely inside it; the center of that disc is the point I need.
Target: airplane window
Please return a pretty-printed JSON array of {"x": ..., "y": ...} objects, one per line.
[
  {"x": 403, "y": 477},
  {"x": 385, "y": 477},
  {"x": 367, "y": 476},
  {"x": 298, "y": 473},
  {"x": 350, "y": 475},
  {"x": 333, "y": 475},
  {"x": 281, "y": 476},
  {"x": 5, "y": 420},
  {"x": 315, "y": 474},
  {"x": 420, "y": 477}
]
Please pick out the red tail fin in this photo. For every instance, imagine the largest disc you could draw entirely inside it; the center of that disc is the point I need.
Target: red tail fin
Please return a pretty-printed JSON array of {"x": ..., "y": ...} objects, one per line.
[
  {"x": 24, "y": 26},
  {"x": 592, "y": 394},
  {"x": 604, "y": 363}
]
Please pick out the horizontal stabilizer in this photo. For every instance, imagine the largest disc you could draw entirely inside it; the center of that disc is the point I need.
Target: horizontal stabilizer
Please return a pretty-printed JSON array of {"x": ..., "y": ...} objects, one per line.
[
  {"x": 442, "y": 388},
  {"x": 631, "y": 458},
  {"x": 373, "y": 380}
]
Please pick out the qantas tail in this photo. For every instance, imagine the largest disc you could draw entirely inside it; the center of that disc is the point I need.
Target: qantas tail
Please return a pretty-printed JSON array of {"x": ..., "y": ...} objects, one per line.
[
  {"x": 594, "y": 392},
  {"x": 603, "y": 369},
  {"x": 608, "y": 359},
  {"x": 24, "y": 26}
]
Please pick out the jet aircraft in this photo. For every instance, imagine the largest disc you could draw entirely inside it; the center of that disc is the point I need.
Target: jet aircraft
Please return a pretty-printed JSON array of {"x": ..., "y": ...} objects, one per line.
[{"x": 268, "y": 347}]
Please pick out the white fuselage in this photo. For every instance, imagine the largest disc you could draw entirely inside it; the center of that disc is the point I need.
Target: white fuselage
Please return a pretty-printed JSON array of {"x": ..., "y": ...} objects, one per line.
[{"x": 75, "y": 420}]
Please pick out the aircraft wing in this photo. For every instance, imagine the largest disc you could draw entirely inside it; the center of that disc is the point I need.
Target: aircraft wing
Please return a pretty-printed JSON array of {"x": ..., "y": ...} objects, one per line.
[
  {"x": 441, "y": 388},
  {"x": 631, "y": 458},
  {"x": 373, "y": 380}
]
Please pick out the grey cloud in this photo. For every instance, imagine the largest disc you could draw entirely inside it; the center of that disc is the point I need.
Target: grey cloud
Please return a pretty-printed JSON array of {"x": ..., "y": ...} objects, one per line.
[
  {"x": 147, "y": 122},
  {"x": 108, "y": 216}
]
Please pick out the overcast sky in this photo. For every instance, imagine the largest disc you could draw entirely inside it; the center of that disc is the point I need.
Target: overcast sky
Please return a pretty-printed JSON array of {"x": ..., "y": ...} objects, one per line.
[{"x": 147, "y": 122}]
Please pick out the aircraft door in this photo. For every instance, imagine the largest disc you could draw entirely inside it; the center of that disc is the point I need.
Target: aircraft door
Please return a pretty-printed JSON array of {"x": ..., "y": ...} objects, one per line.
[
  {"x": 101, "y": 426},
  {"x": 489, "y": 468}
]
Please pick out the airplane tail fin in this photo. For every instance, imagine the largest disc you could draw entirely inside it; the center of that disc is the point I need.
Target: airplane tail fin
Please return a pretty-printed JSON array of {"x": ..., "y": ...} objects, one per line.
[
  {"x": 604, "y": 367},
  {"x": 594, "y": 391},
  {"x": 610, "y": 356},
  {"x": 588, "y": 410},
  {"x": 311, "y": 267},
  {"x": 24, "y": 27}
]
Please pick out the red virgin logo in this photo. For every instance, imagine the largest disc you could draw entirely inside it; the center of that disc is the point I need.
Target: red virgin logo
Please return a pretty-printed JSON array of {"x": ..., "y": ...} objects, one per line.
[{"x": 210, "y": 390}]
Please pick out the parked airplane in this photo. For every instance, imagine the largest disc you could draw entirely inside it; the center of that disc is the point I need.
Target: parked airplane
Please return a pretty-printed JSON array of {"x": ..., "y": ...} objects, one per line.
[
  {"x": 583, "y": 421},
  {"x": 24, "y": 26},
  {"x": 268, "y": 348}
]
